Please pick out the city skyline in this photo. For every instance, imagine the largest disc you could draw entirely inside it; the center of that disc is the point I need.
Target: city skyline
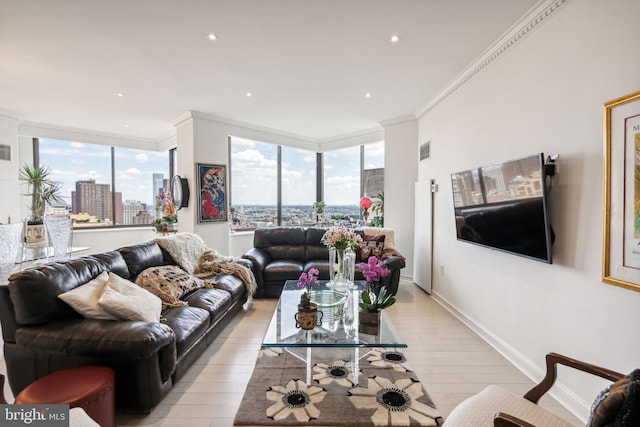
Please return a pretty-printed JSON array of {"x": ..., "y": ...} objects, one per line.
[{"x": 139, "y": 175}]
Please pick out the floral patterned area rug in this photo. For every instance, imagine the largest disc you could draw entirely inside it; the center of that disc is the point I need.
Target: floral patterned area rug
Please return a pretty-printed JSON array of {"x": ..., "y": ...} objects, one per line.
[{"x": 388, "y": 393}]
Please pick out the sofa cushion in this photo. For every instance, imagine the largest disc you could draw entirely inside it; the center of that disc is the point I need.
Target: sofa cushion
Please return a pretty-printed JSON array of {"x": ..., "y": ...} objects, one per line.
[
  {"x": 389, "y": 241},
  {"x": 283, "y": 270},
  {"x": 169, "y": 283},
  {"x": 188, "y": 324},
  {"x": 140, "y": 257},
  {"x": 34, "y": 291},
  {"x": 281, "y": 242},
  {"x": 114, "y": 262},
  {"x": 315, "y": 249},
  {"x": 370, "y": 246},
  {"x": 231, "y": 284},
  {"x": 479, "y": 410},
  {"x": 84, "y": 299},
  {"x": 214, "y": 301},
  {"x": 321, "y": 265},
  {"x": 128, "y": 301}
]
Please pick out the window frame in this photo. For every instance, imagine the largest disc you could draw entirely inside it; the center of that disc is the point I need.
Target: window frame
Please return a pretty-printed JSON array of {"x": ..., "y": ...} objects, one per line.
[{"x": 172, "y": 153}]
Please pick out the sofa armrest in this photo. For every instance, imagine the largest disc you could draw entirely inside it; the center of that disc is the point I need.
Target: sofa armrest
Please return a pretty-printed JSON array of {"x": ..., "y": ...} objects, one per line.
[
  {"x": 394, "y": 262},
  {"x": 552, "y": 360},
  {"x": 259, "y": 259}
]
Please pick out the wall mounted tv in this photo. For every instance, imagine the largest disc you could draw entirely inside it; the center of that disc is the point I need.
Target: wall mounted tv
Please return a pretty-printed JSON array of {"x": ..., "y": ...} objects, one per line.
[{"x": 503, "y": 206}]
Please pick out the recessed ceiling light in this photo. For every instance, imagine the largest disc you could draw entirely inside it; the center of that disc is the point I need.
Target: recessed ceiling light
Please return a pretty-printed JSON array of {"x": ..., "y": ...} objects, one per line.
[
  {"x": 367, "y": 95},
  {"x": 120, "y": 94},
  {"x": 212, "y": 37},
  {"x": 249, "y": 94},
  {"x": 394, "y": 38}
]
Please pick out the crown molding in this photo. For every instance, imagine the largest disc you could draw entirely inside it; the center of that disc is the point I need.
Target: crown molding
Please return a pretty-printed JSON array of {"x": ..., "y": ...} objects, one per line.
[
  {"x": 536, "y": 16},
  {"x": 199, "y": 115},
  {"x": 6, "y": 114},
  {"x": 398, "y": 121},
  {"x": 366, "y": 136},
  {"x": 45, "y": 130}
]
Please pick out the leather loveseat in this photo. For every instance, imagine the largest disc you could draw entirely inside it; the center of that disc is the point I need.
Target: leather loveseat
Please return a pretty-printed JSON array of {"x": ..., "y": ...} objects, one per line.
[
  {"x": 43, "y": 334},
  {"x": 283, "y": 253}
]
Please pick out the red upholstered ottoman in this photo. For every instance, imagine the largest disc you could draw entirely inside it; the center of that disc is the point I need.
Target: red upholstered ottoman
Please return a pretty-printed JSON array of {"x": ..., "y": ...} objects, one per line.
[{"x": 89, "y": 387}]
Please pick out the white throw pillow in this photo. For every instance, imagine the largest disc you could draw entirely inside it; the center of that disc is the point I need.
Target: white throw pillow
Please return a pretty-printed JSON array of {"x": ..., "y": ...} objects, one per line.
[
  {"x": 128, "y": 301},
  {"x": 84, "y": 298}
]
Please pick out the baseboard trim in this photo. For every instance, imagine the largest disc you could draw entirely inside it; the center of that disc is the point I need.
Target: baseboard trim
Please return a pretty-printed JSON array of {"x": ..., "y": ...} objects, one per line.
[{"x": 561, "y": 393}]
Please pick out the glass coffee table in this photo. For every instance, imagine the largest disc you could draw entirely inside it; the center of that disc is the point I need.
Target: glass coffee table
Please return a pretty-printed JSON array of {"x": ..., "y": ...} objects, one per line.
[{"x": 339, "y": 328}]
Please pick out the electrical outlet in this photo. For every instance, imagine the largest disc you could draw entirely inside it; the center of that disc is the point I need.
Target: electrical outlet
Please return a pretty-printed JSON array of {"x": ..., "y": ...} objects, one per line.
[{"x": 556, "y": 161}]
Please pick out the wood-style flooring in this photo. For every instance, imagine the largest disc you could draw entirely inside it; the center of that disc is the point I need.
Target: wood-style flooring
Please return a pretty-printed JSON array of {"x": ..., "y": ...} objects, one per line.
[{"x": 451, "y": 361}]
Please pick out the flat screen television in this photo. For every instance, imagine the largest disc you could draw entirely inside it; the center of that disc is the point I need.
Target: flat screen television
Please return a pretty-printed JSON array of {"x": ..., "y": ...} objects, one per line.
[{"x": 503, "y": 206}]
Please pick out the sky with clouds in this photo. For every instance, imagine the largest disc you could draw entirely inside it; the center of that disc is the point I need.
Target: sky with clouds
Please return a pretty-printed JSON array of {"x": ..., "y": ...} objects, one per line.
[{"x": 253, "y": 171}]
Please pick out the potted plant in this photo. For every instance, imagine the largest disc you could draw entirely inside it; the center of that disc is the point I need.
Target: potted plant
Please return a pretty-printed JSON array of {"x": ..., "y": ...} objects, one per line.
[
  {"x": 319, "y": 207},
  {"x": 43, "y": 191},
  {"x": 307, "y": 315},
  {"x": 374, "y": 298},
  {"x": 169, "y": 221},
  {"x": 378, "y": 211}
]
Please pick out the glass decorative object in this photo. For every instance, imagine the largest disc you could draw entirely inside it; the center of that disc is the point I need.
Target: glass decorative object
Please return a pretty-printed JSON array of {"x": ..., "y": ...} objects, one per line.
[
  {"x": 10, "y": 243},
  {"x": 59, "y": 229}
]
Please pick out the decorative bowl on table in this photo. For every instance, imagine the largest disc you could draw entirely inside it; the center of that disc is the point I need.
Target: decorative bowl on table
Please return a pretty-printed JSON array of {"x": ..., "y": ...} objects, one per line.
[{"x": 331, "y": 303}]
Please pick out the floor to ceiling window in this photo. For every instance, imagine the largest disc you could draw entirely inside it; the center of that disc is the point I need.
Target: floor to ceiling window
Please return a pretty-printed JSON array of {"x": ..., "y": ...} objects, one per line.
[
  {"x": 298, "y": 177},
  {"x": 373, "y": 173},
  {"x": 104, "y": 186},
  {"x": 342, "y": 183},
  {"x": 253, "y": 168},
  {"x": 278, "y": 185}
]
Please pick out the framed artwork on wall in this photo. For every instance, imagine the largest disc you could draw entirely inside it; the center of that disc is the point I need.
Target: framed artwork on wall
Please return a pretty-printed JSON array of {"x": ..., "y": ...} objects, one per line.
[
  {"x": 212, "y": 192},
  {"x": 621, "y": 236}
]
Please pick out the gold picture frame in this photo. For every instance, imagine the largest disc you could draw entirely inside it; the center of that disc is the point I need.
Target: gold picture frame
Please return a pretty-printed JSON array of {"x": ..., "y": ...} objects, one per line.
[{"x": 621, "y": 234}]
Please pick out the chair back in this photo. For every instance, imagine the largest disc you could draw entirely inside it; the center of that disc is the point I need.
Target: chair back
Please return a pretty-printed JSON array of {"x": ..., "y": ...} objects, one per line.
[
  {"x": 10, "y": 243},
  {"x": 60, "y": 231}
]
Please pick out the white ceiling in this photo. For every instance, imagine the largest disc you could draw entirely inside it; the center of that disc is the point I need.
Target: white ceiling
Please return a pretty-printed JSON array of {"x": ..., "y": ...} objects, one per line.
[{"x": 307, "y": 64}]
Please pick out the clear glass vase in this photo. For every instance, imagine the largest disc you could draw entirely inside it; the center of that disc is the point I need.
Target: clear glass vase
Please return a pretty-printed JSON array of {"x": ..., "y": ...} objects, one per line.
[{"x": 341, "y": 268}]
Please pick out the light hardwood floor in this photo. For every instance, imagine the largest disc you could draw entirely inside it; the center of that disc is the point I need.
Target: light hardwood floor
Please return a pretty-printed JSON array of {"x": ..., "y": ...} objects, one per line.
[{"x": 452, "y": 362}]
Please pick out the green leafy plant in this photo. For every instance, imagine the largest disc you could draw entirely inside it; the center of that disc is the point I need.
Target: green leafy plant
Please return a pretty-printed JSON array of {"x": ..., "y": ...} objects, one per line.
[
  {"x": 319, "y": 206},
  {"x": 373, "y": 303},
  {"x": 378, "y": 210},
  {"x": 41, "y": 189}
]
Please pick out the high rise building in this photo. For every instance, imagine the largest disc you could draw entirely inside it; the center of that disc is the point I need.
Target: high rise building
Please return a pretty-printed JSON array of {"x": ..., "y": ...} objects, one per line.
[
  {"x": 158, "y": 187},
  {"x": 131, "y": 209},
  {"x": 95, "y": 199}
]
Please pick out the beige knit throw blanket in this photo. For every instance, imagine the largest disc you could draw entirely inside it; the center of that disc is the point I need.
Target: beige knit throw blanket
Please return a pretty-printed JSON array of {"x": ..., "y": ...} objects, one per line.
[{"x": 191, "y": 253}]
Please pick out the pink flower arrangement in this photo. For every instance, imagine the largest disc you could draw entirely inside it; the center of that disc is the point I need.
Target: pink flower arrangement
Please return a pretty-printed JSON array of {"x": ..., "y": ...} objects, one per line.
[
  {"x": 306, "y": 280},
  {"x": 341, "y": 238},
  {"x": 365, "y": 203},
  {"x": 373, "y": 270}
]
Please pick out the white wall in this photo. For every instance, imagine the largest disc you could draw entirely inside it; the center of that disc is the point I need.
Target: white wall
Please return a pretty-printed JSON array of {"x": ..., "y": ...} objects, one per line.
[
  {"x": 400, "y": 175},
  {"x": 9, "y": 184},
  {"x": 546, "y": 94}
]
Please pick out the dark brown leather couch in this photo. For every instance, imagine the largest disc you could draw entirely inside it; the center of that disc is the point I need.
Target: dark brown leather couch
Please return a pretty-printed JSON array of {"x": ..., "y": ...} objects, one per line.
[
  {"x": 43, "y": 334},
  {"x": 283, "y": 253}
]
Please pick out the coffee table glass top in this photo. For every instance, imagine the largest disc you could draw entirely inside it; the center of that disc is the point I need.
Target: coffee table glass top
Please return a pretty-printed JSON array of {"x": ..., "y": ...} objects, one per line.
[{"x": 339, "y": 327}]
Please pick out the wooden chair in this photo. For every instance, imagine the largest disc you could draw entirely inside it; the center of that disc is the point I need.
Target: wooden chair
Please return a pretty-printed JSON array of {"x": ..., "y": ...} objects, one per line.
[{"x": 498, "y": 407}]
